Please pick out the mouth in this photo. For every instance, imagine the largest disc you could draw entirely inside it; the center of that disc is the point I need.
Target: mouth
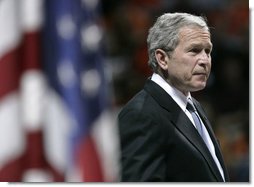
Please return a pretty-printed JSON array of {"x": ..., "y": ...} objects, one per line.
[
  {"x": 200, "y": 73},
  {"x": 201, "y": 76}
]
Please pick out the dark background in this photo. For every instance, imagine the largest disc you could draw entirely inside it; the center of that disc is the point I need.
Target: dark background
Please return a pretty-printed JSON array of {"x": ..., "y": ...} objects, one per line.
[{"x": 226, "y": 97}]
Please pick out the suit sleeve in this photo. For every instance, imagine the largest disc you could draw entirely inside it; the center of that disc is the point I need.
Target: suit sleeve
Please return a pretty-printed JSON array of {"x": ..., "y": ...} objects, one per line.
[{"x": 142, "y": 148}]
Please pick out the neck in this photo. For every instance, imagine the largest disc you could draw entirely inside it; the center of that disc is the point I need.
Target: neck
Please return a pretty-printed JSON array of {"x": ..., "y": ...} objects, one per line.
[{"x": 165, "y": 76}]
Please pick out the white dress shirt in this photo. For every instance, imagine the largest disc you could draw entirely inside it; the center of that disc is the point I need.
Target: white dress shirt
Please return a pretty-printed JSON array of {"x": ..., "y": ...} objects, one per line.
[{"x": 181, "y": 100}]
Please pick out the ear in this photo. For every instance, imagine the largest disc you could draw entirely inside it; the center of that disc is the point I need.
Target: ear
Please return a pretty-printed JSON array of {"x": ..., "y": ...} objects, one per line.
[{"x": 162, "y": 58}]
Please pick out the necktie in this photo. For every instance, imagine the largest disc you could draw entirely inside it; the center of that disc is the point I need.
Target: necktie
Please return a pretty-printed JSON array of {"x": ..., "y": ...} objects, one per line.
[
  {"x": 200, "y": 128},
  {"x": 191, "y": 108}
]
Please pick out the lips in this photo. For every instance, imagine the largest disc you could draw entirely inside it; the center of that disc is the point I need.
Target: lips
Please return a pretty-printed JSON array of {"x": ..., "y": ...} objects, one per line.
[{"x": 200, "y": 73}]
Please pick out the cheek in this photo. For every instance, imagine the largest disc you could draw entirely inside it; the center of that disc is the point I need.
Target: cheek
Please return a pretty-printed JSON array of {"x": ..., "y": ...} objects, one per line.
[
  {"x": 181, "y": 68},
  {"x": 182, "y": 73}
]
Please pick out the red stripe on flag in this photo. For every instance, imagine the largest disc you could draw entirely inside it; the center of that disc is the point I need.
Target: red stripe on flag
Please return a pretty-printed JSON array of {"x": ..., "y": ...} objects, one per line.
[
  {"x": 89, "y": 162},
  {"x": 10, "y": 70},
  {"x": 31, "y": 51},
  {"x": 24, "y": 57},
  {"x": 35, "y": 158},
  {"x": 12, "y": 171}
]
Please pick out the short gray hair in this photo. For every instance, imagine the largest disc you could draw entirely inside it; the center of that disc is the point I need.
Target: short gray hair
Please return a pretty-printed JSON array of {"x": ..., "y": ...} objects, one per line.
[{"x": 164, "y": 33}]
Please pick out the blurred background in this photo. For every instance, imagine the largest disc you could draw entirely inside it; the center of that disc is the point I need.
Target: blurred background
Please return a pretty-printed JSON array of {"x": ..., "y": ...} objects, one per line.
[{"x": 67, "y": 67}]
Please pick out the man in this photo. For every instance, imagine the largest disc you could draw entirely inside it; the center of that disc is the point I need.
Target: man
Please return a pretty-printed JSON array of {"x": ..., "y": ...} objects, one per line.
[{"x": 164, "y": 132}]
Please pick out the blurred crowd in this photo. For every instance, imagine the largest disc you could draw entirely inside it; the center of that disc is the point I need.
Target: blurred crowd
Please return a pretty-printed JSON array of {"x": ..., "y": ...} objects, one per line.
[{"x": 226, "y": 97}]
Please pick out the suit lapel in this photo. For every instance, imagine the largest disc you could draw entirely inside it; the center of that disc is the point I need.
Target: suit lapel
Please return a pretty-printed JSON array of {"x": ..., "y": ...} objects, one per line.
[
  {"x": 182, "y": 122},
  {"x": 213, "y": 138}
]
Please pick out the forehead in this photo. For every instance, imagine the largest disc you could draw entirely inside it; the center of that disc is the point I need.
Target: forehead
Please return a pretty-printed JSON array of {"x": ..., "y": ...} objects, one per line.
[{"x": 194, "y": 34}]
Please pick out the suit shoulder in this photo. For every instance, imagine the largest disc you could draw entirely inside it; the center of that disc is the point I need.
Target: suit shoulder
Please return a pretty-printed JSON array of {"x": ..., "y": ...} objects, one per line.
[{"x": 137, "y": 105}]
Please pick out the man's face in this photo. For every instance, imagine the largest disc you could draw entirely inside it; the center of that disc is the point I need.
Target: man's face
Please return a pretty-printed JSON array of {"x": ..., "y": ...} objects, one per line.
[{"x": 190, "y": 63}]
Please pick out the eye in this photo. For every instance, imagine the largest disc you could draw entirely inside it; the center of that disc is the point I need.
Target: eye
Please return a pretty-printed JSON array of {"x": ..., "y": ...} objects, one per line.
[
  {"x": 208, "y": 51},
  {"x": 195, "y": 50}
]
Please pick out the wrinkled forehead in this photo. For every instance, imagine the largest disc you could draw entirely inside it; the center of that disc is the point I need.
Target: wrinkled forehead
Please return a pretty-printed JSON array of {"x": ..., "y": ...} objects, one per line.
[{"x": 194, "y": 33}]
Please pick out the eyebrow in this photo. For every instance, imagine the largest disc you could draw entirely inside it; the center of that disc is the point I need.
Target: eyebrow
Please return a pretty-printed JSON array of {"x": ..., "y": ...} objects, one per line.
[{"x": 193, "y": 45}]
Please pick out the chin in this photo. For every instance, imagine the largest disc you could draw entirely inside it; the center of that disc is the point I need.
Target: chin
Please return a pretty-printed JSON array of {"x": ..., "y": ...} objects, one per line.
[{"x": 198, "y": 87}]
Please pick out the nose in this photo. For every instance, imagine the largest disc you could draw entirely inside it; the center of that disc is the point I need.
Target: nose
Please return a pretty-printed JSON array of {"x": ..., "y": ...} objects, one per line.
[{"x": 204, "y": 57}]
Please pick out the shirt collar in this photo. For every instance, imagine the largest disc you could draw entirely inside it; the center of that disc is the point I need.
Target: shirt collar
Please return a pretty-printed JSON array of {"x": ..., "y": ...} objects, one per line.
[{"x": 177, "y": 96}]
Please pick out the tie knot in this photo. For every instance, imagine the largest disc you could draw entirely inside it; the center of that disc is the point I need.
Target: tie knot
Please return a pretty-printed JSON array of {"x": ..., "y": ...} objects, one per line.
[{"x": 190, "y": 106}]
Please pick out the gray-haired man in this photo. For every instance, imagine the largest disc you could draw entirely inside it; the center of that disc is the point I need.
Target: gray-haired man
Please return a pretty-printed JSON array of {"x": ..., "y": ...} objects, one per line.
[{"x": 158, "y": 126}]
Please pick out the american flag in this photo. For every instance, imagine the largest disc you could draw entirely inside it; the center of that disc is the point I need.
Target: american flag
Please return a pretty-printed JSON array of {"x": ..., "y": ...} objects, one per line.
[{"x": 55, "y": 122}]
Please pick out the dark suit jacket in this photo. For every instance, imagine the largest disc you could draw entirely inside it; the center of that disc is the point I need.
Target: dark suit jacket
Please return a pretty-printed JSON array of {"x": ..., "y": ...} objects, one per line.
[{"x": 159, "y": 142}]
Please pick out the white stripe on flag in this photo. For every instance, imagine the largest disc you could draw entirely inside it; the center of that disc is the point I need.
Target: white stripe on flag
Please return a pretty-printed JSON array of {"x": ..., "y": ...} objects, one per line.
[
  {"x": 32, "y": 14},
  {"x": 10, "y": 32},
  {"x": 12, "y": 140}
]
